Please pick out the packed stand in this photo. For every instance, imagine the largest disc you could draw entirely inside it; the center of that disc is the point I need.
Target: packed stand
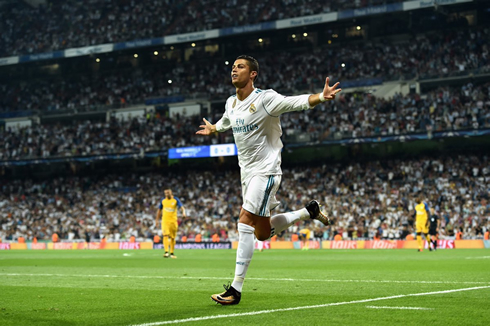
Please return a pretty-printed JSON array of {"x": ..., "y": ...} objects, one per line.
[
  {"x": 151, "y": 133},
  {"x": 364, "y": 200},
  {"x": 210, "y": 14},
  {"x": 430, "y": 55},
  {"x": 362, "y": 115},
  {"x": 351, "y": 116},
  {"x": 62, "y": 24}
]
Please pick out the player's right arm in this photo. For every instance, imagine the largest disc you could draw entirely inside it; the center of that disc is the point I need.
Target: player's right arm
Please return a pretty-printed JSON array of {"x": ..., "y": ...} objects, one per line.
[
  {"x": 208, "y": 128},
  {"x": 158, "y": 217},
  {"x": 159, "y": 213}
]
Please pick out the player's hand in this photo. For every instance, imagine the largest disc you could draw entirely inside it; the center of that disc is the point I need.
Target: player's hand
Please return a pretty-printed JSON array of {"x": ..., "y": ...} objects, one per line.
[
  {"x": 207, "y": 128},
  {"x": 330, "y": 92}
]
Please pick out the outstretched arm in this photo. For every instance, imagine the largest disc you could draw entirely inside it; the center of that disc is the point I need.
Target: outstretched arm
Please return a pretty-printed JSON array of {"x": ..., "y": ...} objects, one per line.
[
  {"x": 328, "y": 94},
  {"x": 207, "y": 128},
  {"x": 276, "y": 104}
]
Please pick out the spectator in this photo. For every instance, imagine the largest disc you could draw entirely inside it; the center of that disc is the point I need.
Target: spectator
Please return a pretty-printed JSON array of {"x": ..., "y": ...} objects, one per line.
[
  {"x": 362, "y": 197},
  {"x": 61, "y": 24}
]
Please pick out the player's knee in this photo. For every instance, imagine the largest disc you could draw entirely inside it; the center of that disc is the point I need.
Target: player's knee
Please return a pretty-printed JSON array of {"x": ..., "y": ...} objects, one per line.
[{"x": 262, "y": 236}]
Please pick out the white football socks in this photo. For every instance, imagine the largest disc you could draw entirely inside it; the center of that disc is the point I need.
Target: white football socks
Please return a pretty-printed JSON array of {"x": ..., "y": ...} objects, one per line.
[
  {"x": 281, "y": 222},
  {"x": 244, "y": 254},
  {"x": 246, "y": 243}
]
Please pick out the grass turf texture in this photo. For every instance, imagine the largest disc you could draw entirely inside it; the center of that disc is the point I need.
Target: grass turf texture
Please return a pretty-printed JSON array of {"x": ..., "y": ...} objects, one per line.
[{"x": 138, "y": 287}]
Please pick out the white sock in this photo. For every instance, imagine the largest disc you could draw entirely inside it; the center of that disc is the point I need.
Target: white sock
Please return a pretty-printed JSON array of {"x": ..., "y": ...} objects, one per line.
[
  {"x": 281, "y": 222},
  {"x": 260, "y": 245},
  {"x": 244, "y": 254}
]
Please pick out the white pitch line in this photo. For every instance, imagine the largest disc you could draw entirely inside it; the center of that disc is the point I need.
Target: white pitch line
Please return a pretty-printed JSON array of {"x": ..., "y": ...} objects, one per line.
[
  {"x": 400, "y": 308},
  {"x": 248, "y": 278},
  {"x": 481, "y": 257},
  {"x": 260, "y": 312}
]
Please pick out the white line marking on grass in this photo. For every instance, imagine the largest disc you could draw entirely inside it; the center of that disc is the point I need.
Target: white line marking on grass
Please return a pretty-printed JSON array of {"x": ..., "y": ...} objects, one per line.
[
  {"x": 248, "y": 278},
  {"x": 401, "y": 308},
  {"x": 260, "y": 312},
  {"x": 481, "y": 257}
]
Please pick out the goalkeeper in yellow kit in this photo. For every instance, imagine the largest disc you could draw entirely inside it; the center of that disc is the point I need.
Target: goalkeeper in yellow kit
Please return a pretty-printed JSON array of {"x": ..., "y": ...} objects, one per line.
[{"x": 167, "y": 211}]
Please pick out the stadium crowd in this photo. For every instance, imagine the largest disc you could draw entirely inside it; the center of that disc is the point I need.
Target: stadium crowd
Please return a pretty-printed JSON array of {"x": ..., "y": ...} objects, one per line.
[
  {"x": 353, "y": 115},
  {"x": 364, "y": 200},
  {"x": 210, "y": 14},
  {"x": 61, "y": 24},
  {"x": 431, "y": 55}
]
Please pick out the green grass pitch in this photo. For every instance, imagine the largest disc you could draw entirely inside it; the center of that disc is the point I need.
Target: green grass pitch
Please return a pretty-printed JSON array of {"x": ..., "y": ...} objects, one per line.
[{"x": 283, "y": 287}]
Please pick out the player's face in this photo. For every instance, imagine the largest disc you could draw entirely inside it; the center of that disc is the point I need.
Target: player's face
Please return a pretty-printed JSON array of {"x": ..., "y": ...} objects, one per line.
[
  {"x": 241, "y": 74},
  {"x": 168, "y": 194}
]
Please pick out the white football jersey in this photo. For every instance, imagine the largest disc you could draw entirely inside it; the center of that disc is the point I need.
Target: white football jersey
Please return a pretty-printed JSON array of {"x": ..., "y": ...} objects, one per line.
[{"x": 257, "y": 129}]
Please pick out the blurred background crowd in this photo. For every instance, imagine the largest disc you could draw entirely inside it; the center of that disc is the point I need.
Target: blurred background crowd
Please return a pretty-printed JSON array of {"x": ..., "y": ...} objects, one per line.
[
  {"x": 363, "y": 200},
  {"x": 439, "y": 53},
  {"x": 435, "y": 54},
  {"x": 353, "y": 115},
  {"x": 62, "y": 24}
]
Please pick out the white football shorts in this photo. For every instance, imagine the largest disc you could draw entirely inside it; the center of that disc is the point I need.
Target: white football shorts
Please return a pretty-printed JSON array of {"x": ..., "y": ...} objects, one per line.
[{"x": 259, "y": 194}]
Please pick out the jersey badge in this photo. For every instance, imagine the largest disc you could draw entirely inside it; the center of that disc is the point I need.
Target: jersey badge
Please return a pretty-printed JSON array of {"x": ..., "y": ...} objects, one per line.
[{"x": 252, "y": 109}]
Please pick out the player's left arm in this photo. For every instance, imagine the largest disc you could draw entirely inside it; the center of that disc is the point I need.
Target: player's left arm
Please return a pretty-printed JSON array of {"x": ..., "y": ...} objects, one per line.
[
  {"x": 179, "y": 205},
  {"x": 276, "y": 104},
  {"x": 327, "y": 94},
  {"x": 427, "y": 211}
]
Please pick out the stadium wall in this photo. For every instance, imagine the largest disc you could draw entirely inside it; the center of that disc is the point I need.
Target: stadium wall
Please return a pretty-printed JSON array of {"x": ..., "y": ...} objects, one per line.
[{"x": 313, "y": 244}]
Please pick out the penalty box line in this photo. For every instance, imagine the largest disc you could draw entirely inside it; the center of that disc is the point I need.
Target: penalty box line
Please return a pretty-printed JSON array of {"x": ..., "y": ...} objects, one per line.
[
  {"x": 163, "y": 277},
  {"x": 261, "y": 312}
]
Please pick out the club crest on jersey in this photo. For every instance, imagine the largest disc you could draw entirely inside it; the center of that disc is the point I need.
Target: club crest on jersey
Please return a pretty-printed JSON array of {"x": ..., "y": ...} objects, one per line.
[
  {"x": 234, "y": 104},
  {"x": 252, "y": 108}
]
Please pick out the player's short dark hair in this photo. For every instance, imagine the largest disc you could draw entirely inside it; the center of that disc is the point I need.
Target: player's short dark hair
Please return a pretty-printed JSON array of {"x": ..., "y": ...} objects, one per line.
[{"x": 252, "y": 63}]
